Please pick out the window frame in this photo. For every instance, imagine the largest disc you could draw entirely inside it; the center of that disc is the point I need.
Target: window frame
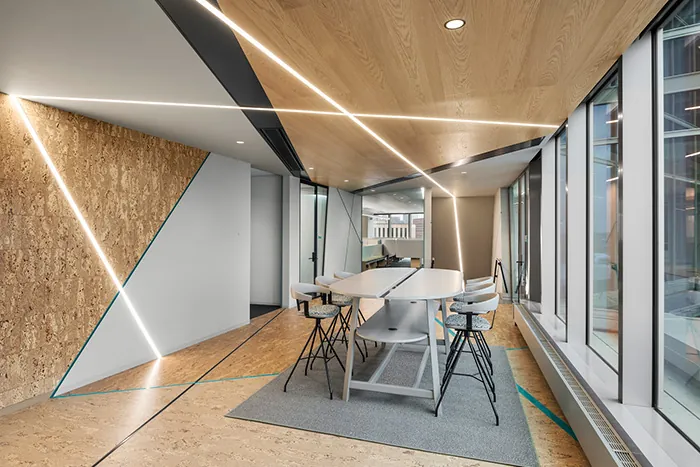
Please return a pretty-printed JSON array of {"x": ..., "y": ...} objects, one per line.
[
  {"x": 658, "y": 213},
  {"x": 561, "y": 250},
  {"x": 614, "y": 71}
]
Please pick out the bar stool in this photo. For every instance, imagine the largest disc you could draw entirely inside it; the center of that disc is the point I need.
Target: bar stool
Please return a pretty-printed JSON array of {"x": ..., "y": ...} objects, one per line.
[
  {"x": 341, "y": 301},
  {"x": 479, "y": 280},
  {"x": 343, "y": 274},
  {"x": 304, "y": 293},
  {"x": 472, "y": 290},
  {"x": 467, "y": 326}
]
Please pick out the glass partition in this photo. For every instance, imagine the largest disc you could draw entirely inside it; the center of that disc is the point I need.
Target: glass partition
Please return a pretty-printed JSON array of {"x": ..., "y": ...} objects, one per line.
[
  {"x": 604, "y": 210},
  {"x": 518, "y": 236},
  {"x": 678, "y": 396},
  {"x": 393, "y": 228},
  {"x": 561, "y": 235}
]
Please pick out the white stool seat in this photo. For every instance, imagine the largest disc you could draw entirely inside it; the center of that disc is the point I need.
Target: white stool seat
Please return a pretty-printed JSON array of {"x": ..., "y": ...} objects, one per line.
[
  {"x": 343, "y": 274},
  {"x": 459, "y": 322},
  {"x": 323, "y": 311},
  {"x": 325, "y": 281},
  {"x": 472, "y": 291}
]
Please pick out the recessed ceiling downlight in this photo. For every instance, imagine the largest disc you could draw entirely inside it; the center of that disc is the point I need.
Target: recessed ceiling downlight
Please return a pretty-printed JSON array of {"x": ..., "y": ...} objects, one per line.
[{"x": 454, "y": 23}]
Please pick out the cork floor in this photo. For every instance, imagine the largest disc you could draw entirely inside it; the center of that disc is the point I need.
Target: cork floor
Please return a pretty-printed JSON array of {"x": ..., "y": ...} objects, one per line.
[{"x": 186, "y": 423}]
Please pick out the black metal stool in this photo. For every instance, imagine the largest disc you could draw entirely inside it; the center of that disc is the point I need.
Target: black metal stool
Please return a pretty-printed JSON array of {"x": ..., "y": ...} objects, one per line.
[
  {"x": 303, "y": 293},
  {"x": 469, "y": 327}
]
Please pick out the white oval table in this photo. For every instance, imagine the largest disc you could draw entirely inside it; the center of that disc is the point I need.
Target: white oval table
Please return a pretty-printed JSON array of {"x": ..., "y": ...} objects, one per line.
[{"x": 407, "y": 318}]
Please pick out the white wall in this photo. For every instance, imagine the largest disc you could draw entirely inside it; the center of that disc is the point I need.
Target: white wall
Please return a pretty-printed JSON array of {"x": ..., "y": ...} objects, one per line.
[
  {"x": 290, "y": 236},
  {"x": 343, "y": 250},
  {"x": 192, "y": 283},
  {"x": 266, "y": 240},
  {"x": 576, "y": 227},
  {"x": 497, "y": 243},
  {"x": 637, "y": 224},
  {"x": 547, "y": 232}
]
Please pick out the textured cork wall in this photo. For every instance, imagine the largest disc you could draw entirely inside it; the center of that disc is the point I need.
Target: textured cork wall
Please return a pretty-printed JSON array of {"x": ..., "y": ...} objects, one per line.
[{"x": 53, "y": 287}]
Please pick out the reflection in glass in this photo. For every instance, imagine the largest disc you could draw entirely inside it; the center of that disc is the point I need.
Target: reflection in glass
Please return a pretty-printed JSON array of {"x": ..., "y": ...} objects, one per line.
[
  {"x": 307, "y": 232},
  {"x": 561, "y": 225},
  {"x": 604, "y": 265},
  {"x": 321, "y": 205},
  {"x": 518, "y": 236},
  {"x": 679, "y": 382},
  {"x": 393, "y": 224}
]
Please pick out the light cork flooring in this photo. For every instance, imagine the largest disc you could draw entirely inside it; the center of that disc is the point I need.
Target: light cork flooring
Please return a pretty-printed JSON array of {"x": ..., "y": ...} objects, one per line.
[{"x": 186, "y": 423}]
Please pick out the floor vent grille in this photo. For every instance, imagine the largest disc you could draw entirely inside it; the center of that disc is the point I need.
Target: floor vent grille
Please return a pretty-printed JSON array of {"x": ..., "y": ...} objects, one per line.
[{"x": 617, "y": 446}]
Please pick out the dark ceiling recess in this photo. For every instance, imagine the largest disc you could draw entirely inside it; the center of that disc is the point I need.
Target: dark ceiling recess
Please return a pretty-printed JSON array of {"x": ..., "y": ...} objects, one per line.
[{"x": 220, "y": 51}]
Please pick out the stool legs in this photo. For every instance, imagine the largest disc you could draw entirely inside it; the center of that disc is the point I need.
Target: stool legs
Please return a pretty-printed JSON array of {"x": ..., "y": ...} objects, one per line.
[
  {"x": 480, "y": 359},
  {"x": 482, "y": 373},
  {"x": 325, "y": 348}
]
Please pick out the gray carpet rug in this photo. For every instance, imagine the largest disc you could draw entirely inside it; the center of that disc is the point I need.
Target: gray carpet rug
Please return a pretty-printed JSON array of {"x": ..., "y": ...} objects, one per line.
[{"x": 466, "y": 427}]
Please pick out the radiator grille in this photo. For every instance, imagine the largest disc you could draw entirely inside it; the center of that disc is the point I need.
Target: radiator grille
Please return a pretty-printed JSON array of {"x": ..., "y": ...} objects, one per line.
[{"x": 622, "y": 453}]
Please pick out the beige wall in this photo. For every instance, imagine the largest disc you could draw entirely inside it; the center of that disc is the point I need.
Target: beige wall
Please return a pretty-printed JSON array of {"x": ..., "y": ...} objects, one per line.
[
  {"x": 476, "y": 232},
  {"x": 53, "y": 288}
]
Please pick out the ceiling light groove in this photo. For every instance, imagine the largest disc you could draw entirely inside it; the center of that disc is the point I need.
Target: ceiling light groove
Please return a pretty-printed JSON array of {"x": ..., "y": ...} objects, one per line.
[{"x": 294, "y": 111}]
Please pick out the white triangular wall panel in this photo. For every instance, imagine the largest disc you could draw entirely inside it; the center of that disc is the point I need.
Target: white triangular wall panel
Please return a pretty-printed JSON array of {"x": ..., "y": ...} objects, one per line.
[{"x": 192, "y": 283}]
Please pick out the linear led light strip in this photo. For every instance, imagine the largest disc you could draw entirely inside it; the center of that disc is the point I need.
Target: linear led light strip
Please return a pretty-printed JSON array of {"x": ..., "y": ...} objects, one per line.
[
  {"x": 294, "y": 111},
  {"x": 83, "y": 223},
  {"x": 223, "y": 18}
]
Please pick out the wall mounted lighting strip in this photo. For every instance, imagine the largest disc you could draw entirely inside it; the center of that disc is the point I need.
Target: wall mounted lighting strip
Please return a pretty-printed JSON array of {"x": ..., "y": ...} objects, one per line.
[
  {"x": 83, "y": 223},
  {"x": 293, "y": 111},
  {"x": 243, "y": 33}
]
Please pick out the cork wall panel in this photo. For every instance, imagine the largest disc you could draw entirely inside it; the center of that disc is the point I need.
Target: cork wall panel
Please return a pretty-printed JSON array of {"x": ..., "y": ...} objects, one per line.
[{"x": 53, "y": 287}]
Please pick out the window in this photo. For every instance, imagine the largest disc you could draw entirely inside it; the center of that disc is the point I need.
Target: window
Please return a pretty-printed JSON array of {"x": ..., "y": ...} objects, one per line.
[
  {"x": 399, "y": 225},
  {"x": 604, "y": 266},
  {"x": 678, "y": 63},
  {"x": 518, "y": 236},
  {"x": 417, "y": 226},
  {"x": 561, "y": 246}
]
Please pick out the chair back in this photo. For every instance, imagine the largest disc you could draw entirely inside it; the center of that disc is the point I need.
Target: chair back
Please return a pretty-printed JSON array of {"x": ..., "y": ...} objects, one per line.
[
  {"x": 479, "y": 280},
  {"x": 480, "y": 288},
  {"x": 343, "y": 274},
  {"x": 325, "y": 281},
  {"x": 480, "y": 304},
  {"x": 304, "y": 292}
]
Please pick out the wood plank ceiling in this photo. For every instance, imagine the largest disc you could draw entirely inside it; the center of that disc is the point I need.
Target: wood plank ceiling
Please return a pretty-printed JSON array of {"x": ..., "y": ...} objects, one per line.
[{"x": 519, "y": 61}]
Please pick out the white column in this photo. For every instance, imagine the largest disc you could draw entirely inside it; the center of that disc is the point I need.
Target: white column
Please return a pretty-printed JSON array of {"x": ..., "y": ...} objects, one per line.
[
  {"x": 547, "y": 232},
  {"x": 290, "y": 236},
  {"x": 427, "y": 227},
  {"x": 637, "y": 225},
  {"x": 577, "y": 227}
]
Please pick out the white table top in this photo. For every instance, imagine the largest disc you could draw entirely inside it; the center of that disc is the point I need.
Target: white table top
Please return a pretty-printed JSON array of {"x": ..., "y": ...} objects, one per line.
[
  {"x": 429, "y": 284},
  {"x": 372, "y": 283}
]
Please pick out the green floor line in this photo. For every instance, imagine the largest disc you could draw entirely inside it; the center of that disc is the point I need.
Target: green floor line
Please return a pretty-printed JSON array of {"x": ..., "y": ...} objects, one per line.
[
  {"x": 97, "y": 393},
  {"x": 165, "y": 386},
  {"x": 517, "y": 348},
  {"x": 552, "y": 416}
]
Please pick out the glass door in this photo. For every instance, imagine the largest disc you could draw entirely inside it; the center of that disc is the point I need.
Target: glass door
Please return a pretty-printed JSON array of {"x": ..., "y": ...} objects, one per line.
[{"x": 312, "y": 231}]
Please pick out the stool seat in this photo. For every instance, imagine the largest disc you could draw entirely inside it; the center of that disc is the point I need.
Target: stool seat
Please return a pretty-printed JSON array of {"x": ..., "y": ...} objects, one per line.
[
  {"x": 460, "y": 322},
  {"x": 465, "y": 307},
  {"x": 463, "y": 297},
  {"x": 341, "y": 300},
  {"x": 323, "y": 311}
]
